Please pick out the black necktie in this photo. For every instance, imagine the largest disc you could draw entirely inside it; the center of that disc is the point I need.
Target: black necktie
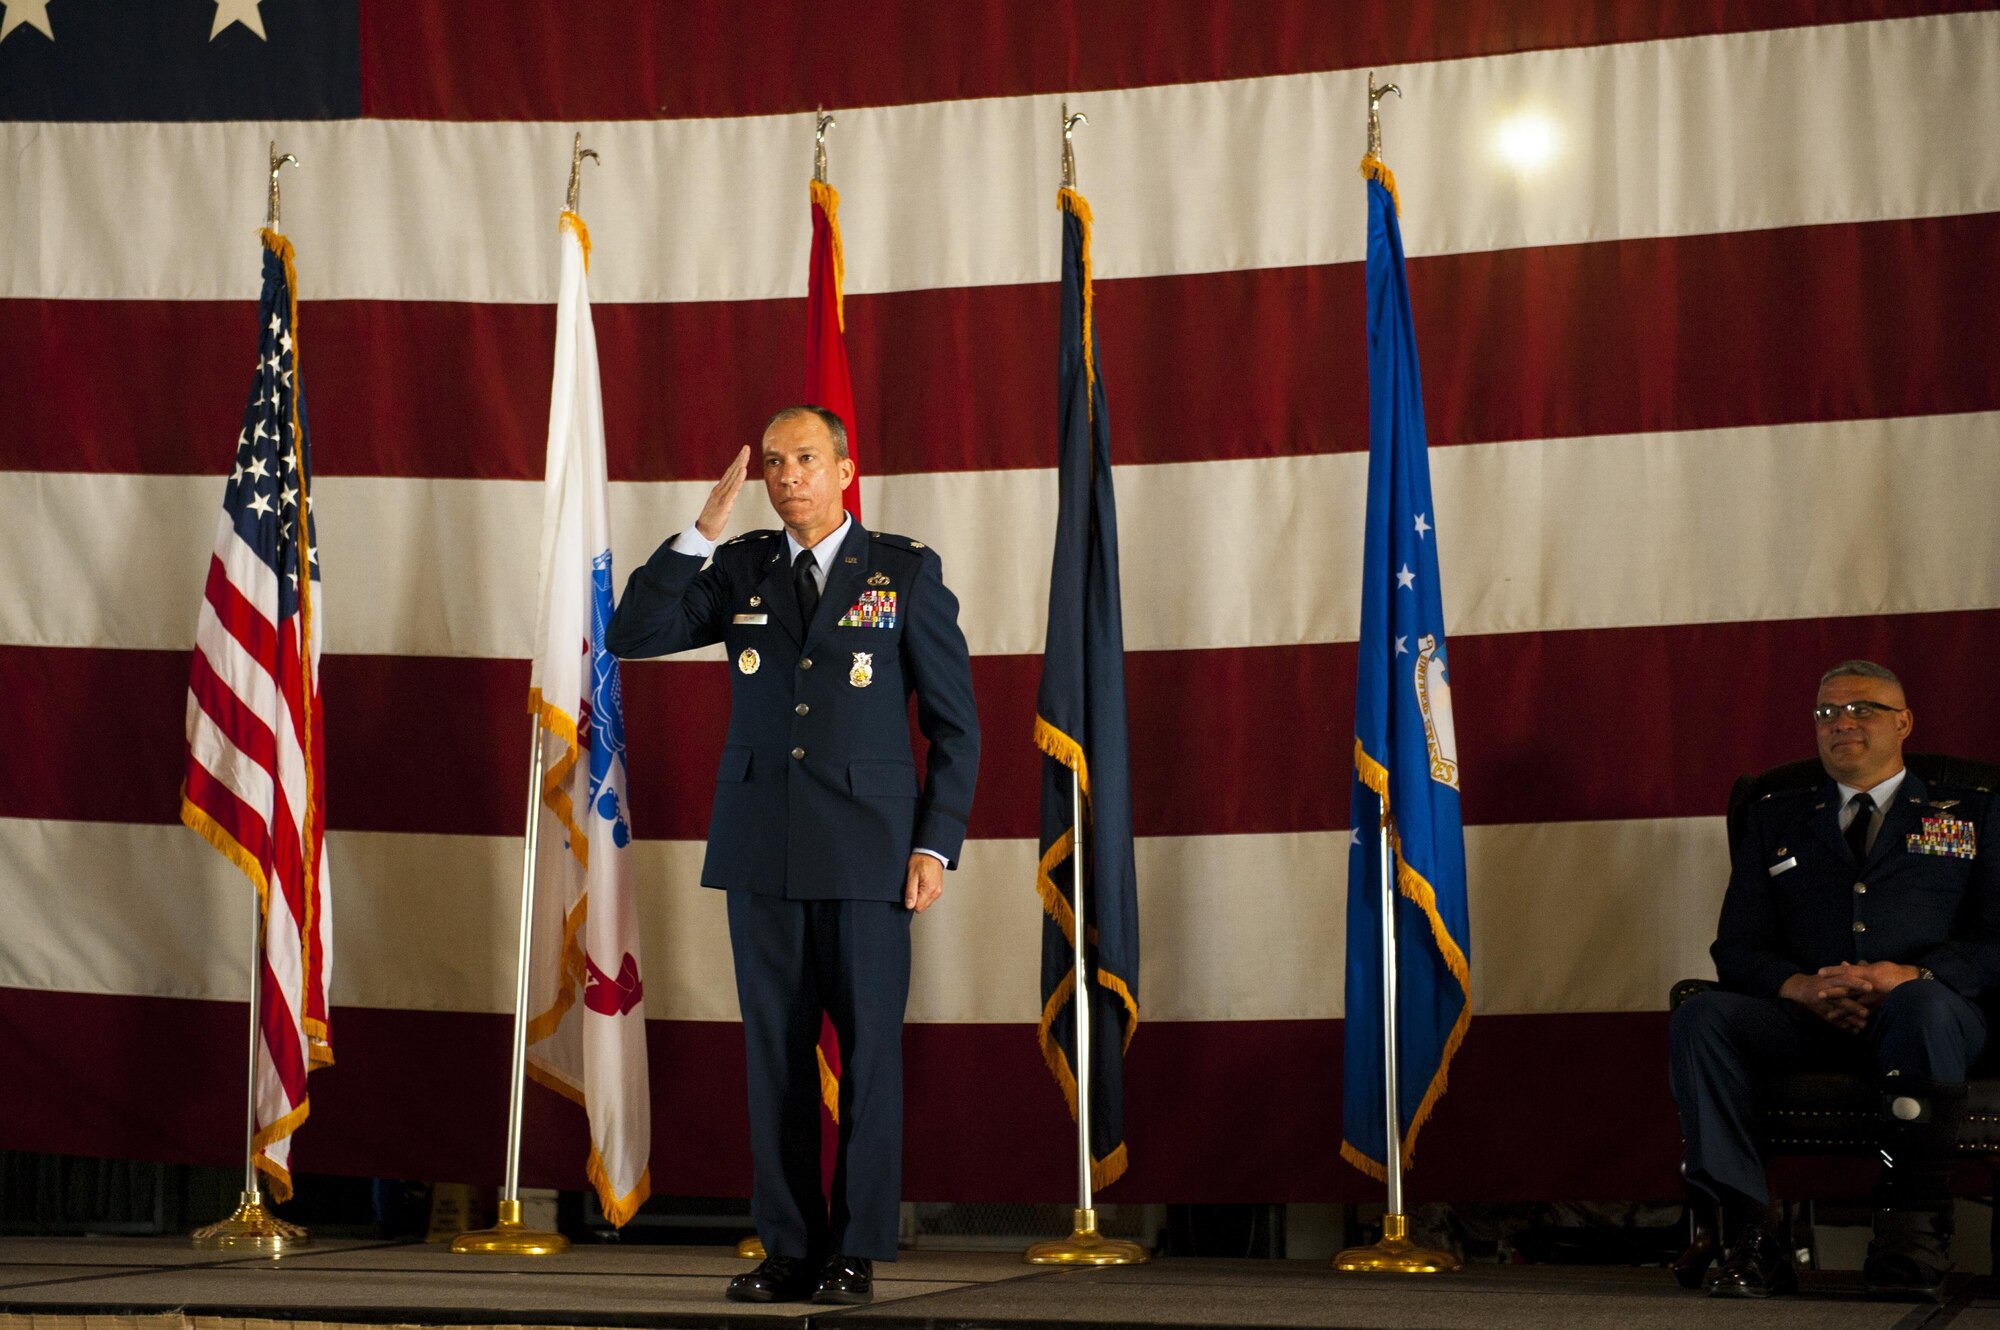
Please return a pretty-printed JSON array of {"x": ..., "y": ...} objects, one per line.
[
  {"x": 1857, "y": 830},
  {"x": 803, "y": 570}
]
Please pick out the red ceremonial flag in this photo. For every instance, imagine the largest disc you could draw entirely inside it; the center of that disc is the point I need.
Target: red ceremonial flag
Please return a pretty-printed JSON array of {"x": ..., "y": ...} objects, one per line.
[
  {"x": 827, "y": 381},
  {"x": 829, "y": 385}
]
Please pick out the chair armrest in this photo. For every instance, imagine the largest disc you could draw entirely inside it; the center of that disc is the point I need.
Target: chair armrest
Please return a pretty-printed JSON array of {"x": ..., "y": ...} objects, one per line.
[{"x": 1687, "y": 988}]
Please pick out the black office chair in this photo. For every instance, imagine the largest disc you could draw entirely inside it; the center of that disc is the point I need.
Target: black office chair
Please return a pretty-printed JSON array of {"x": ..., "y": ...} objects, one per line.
[{"x": 1824, "y": 1112}]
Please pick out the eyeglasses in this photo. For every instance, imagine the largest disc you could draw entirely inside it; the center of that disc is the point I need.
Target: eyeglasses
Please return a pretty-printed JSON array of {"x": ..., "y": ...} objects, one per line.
[{"x": 1828, "y": 712}]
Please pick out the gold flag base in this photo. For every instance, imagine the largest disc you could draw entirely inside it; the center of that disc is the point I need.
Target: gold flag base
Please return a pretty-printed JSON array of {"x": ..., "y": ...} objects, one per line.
[
  {"x": 251, "y": 1228},
  {"x": 751, "y": 1248},
  {"x": 509, "y": 1238},
  {"x": 1395, "y": 1254},
  {"x": 1086, "y": 1246}
]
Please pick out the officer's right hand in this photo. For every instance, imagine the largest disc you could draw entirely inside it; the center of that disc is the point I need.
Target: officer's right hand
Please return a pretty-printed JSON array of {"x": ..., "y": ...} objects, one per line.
[
  {"x": 722, "y": 499},
  {"x": 1832, "y": 999}
]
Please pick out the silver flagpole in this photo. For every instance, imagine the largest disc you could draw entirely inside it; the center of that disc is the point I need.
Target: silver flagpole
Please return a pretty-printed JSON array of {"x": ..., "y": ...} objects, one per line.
[
  {"x": 252, "y": 1227},
  {"x": 1080, "y": 1003},
  {"x": 509, "y": 1237},
  {"x": 1393, "y": 1158},
  {"x": 1395, "y": 1253},
  {"x": 1085, "y": 1245}
]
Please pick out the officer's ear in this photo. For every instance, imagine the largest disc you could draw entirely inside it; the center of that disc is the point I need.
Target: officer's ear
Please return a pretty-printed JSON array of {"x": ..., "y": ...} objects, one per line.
[
  {"x": 1906, "y": 720},
  {"x": 846, "y": 469}
]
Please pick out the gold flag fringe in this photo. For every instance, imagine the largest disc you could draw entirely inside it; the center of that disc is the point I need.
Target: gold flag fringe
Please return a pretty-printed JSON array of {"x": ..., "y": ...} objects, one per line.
[
  {"x": 554, "y": 797},
  {"x": 314, "y": 817},
  {"x": 1072, "y": 202},
  {"x": 573, "y": 223},
  {"x": 829, "y": 1085},
  {"x": 1373, "y": 168},
  {"x": 828, "y": 200}
]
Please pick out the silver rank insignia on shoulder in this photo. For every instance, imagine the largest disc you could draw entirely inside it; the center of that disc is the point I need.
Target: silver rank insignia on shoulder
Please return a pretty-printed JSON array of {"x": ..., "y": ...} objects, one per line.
[
  {"x": 749, "y": 660},
  {"x": 916, "y": 544},
  {"x": 878, "y": 579},
  {"x": 862, "y": 673}
]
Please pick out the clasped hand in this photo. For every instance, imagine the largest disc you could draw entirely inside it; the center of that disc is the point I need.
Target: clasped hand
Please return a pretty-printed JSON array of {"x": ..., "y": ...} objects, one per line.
[{"x": 1844, "y": 995}]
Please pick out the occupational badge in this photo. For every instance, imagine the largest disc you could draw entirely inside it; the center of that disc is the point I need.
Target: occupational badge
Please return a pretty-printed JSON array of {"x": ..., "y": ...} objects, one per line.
[
  {"x": 749, "y": 660},
  {"x": 1954, "y": 837},
  {"x": 878, "y": 579},
  {"x": 862, "y": 672},
  {"x": 875, "y": 609}
]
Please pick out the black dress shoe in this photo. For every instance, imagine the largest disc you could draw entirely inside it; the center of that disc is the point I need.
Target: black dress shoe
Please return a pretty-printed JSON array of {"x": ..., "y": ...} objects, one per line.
[
  {"x": 1757, "y": 1266},
  {"x": 846, "y": 1279},
  {"x": 777, "y": 1279},
  {"x": 1909, "y": 1256}
]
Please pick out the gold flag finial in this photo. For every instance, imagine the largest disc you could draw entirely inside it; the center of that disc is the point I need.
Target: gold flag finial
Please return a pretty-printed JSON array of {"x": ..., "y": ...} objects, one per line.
[
  {"x": 1375, "y": 96},
  {"x": 1069, "y": 124},
  {"x": 271, "y": 203},
  {"x": 577, "y": 152},
  {"x": 821, "y": 123}
]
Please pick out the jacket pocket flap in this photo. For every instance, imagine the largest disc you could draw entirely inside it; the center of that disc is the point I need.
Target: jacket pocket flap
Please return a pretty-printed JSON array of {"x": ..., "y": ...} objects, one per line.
[
  {"x": 735, "y": 765},
  {"x": 882, "y": 778}
]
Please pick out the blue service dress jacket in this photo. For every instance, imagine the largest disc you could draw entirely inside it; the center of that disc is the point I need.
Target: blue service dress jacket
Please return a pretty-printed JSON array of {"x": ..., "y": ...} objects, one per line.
[
  {"x": 817, "y": 796},
  {"x": 1928, "y": 894}
]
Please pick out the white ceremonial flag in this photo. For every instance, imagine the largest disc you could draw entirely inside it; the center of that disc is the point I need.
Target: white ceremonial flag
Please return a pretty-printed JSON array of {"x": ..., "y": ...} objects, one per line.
[{"x": 586, "y": 926}]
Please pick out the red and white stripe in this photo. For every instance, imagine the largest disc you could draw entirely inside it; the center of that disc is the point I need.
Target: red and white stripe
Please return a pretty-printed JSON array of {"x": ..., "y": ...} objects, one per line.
[
  {"x": 248, "y": 793},
  {"x": 1714, "y": 402}
]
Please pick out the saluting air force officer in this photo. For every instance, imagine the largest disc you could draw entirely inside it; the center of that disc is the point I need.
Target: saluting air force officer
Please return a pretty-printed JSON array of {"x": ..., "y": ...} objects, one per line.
[
  {"x": 1860, "y": 928},
  {"x": 822, "y": 832}
]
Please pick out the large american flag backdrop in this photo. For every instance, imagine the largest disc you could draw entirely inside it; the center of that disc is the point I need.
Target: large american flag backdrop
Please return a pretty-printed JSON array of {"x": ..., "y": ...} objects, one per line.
[{"x": 1714, "y": 400}]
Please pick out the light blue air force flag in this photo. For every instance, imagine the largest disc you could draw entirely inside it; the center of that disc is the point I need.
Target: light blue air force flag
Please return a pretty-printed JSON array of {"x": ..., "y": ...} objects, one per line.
[{"x": 1405, "y": 749}]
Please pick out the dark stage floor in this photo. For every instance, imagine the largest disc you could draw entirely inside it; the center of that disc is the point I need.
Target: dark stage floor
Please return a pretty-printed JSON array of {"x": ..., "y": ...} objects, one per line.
[{"x": 48, "y": 1284}]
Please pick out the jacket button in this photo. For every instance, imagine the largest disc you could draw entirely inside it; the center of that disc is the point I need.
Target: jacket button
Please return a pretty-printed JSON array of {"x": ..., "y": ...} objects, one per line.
[
  {"x": 806, "y": 664},
  {"x": 802, "y": 708},
  {"x": 799, "y": 753},
  {"x": 1861, "y": 888},
  {"x": 1859, "y": 927}
]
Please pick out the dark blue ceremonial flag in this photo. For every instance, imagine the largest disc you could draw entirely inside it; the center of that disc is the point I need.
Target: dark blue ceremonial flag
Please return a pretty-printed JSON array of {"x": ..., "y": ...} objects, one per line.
[
  {"x": 1405, "y": 746},
  {"x": 1080, "y": 724},
  {"x": 180, "y": 60}
]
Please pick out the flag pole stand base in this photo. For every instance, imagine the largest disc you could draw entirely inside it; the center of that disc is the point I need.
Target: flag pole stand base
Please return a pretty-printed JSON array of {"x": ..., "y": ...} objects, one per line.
[
  {"x": 1395, "y": 1254},
  {"x": 751, "y": 1248},
  {"x": 509, "y": 1237},
  {"x": 251, "y": 1228},
  {"x": 1086, "y": 1246}
]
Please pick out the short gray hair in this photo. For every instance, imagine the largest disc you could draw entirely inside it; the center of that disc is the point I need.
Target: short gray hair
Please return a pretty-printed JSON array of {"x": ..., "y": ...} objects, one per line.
[
  {"x": 834, "y": 424},
  {"x": 1860, "y": 669}
]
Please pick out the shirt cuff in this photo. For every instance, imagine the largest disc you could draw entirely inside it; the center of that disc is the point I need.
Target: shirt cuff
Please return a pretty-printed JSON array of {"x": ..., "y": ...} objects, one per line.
[
  {"x": 691, "y": 541},
  {"x": 935, "y": 855}
]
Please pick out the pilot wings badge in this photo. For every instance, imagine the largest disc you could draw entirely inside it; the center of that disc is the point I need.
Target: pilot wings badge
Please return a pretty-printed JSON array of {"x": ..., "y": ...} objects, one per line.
[
  {"x": 1434, "y": 700},
  {"x": 863, "y": 671}
]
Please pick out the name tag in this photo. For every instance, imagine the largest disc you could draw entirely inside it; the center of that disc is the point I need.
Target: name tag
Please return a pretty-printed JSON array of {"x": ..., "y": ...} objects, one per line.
[
  {"x": 753, "y": 618},
  {"x": 1783, "y": 866}
]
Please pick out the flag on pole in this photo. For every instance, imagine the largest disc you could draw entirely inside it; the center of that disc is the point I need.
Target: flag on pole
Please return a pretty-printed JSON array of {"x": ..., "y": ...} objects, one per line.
[
  {"x": 1080, "y": 725},
  {"x": 255, "y": 755},
  {"x": 828, "y": 383},
  {"x": 1405, "y": 747},
  {"x": 585, "y": 930}
]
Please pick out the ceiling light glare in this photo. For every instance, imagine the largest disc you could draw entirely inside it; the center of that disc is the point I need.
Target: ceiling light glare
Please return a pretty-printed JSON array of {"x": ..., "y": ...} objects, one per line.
[{"x": 1526, "y": 142}]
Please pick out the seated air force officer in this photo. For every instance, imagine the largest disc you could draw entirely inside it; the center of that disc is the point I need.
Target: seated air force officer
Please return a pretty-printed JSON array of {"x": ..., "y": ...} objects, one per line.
[
  {"x": 821, "y": 832},
  {"x": 1861, "y": 925}
]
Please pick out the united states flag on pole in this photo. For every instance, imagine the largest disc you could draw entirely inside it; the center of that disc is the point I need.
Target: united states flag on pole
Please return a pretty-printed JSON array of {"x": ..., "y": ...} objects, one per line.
[
  {"x": 254, "y": 784},
  {"x": 586, "y": 923}
]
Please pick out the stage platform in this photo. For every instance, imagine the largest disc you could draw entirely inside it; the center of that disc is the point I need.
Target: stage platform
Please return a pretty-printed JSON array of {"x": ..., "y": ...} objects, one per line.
[{"x": 157, "y": 1284}]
